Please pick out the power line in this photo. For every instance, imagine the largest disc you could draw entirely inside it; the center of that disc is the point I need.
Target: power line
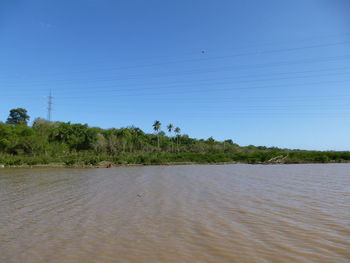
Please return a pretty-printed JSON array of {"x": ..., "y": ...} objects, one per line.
[
  {"x": 196, "y": 83},
  {"x": 202, "y": 59},
  {"x": 244, "y": 46},
  {"x": 173, "y": 91},
  {"x": 210, "y": 70},
  {"x": 200, "y": 90}
]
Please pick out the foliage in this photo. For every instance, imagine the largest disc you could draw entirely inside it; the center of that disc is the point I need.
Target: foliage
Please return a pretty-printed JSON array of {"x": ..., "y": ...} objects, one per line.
[
  {"x": 78, "y": 144},
  {"x": 18, "y": 116}
]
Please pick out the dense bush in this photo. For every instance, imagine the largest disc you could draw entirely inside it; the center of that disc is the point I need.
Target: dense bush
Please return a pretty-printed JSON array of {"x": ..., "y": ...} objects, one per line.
[{"x": 57, "y": 142}]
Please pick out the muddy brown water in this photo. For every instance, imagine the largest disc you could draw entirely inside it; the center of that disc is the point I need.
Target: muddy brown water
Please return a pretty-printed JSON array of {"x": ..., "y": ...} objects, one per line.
[{"x": 192, "y": 213}]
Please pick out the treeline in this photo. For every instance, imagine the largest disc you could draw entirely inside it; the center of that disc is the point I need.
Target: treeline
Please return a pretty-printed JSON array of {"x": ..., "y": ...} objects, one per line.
[{"x": 48, "y": 142}]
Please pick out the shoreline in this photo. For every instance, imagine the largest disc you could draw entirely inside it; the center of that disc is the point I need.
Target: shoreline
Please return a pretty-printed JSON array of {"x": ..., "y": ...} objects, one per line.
[{"x": 110, "y": 165}]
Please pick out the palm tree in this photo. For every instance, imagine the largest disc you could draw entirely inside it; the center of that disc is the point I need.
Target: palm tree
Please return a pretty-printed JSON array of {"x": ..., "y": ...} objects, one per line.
[
  {"x": 177, "y": 130},
  {"x": 156, "y": 128},
  {"x": 170, "y": 129}
]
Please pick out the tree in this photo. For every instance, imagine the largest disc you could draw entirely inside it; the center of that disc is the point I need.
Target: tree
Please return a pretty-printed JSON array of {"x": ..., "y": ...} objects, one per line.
[
  {"x": 177, "y": 131},
  {"x": 211, "y": 140},
  {"x": 18, "y": 116},
  {"x": 76, "y": 136},
  {"x": 100, "y": 144},
  {"x": 125, "y": 137},
  {"x": 156, "y": 128},
  {"x": 170, "y": 129},
  {"x": 229, "y": 141}
]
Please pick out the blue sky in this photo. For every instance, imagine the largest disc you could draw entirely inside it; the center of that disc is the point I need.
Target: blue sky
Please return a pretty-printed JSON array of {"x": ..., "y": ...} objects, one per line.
[{"x": 270, "y": 72}]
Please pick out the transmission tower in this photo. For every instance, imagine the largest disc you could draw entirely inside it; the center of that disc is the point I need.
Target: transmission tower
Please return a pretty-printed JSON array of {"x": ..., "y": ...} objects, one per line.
[{"x": 49, "y": 106}]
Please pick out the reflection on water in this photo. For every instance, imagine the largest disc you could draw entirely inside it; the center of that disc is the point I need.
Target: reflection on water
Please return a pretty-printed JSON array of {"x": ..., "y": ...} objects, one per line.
[{"x": 202, "y": 213}]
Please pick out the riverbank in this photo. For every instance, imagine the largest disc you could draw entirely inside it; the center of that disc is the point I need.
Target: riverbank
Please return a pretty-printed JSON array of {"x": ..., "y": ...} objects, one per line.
[
  {"x": 94, "y": 163},
  {"x": 107, "y": 165},
  {"x": 88, "y": 159},
  {"x": 58, "y": 144}
]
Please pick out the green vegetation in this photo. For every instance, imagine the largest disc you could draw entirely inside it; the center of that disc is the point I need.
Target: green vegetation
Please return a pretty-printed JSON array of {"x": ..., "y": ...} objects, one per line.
[
  {"x": 18, "y": 116},
  {"x": 78, "y": 144}
]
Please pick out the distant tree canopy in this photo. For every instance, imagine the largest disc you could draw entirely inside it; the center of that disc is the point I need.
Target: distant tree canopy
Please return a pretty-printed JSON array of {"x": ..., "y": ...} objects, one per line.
[
  {"x": 18, "y": 116},
  {"x": 46, "y": 142}
]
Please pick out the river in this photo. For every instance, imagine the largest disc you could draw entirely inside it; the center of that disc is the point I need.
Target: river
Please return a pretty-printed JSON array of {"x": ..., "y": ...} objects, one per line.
[{"x": 186, "y": 213}]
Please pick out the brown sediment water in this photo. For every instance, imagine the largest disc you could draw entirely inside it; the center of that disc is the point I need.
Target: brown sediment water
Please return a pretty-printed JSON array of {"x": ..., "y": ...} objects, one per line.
[{"x": 192, "y": 213}]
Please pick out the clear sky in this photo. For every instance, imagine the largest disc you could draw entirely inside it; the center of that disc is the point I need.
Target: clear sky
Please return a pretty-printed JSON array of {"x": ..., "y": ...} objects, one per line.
[{"x": 262, "y": 72}]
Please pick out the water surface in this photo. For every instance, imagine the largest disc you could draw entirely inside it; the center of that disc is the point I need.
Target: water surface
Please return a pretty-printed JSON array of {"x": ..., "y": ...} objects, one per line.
[{"x": 195, "y": 213}]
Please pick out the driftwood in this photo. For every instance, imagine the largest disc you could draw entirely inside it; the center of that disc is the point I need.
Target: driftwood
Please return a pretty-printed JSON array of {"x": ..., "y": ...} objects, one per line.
[{"x": 278, "y": 159}]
